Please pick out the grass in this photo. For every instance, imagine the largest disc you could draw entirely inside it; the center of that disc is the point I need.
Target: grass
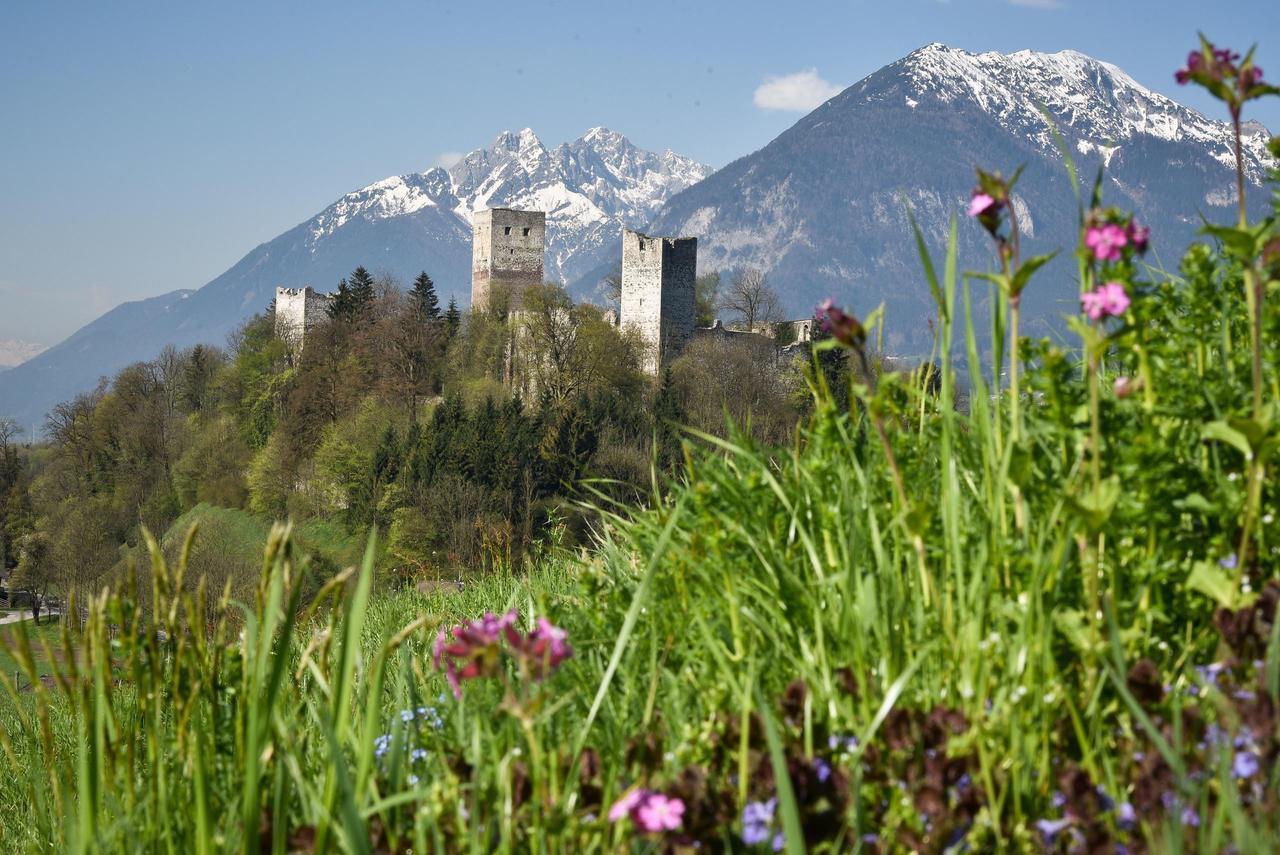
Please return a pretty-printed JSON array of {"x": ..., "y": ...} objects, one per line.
[{"x": 916, "y": 629}]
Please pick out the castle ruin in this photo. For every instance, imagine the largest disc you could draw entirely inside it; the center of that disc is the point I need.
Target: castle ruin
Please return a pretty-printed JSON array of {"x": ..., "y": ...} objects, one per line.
[
  {"x": 507, "y": 249},
  {"x": 658, "y": 276},
  {"x": 298, "y": 311}
]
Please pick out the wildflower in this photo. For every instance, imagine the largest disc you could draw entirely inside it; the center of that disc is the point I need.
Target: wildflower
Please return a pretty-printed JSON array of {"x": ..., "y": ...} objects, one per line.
[
  {"x": 1245, "y": 764},
  {"x": 1190, "y": 817},
  {"x": 413, "y": 780},
  {"x": 843, "y": 327},
  {"x": 418, "y": 754},
  {"x": 543, "y": 649},
  {"x": 1108, "y": 300},
  {"x": 1228, "y": 563},
  {"x": 981, "y": 203},
  {"x": 1051, "y": 828},
  {"x": 756, "y": 819},
  {"x": 1126, "y": 816},
  {"x": 1139, "y": 236},
  {"x": 475, "y": 645},
  {"x": 1194, "y": 63},
  {"x": 1106, "y": 241},
  {"x": 659, "y": 813},
  {"x": 822, "y": 768},
  {"x": 1124, "y": 386},
  {"x": 625, "y": 805}
]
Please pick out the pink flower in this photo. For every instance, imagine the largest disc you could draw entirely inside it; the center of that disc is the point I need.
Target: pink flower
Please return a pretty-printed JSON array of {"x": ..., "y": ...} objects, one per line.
[
  {"x": 473, "y": 651},
  {"x": 843, "y": 327},
  {"x": 1251, "y": 77},
  {"x": 1139, "y": 236},
  {"x": 1124, "y": 386},
  {"x": 1106, "y": 241},
  {"x": 543, "y": 649},
  {"x": 652, "y": 812},
  {"x": 981, "y": 203},
  {"x": 628, "y": 803},
  {"x": 659, "y": 813},
  {"x": 1109, "y": 300}
]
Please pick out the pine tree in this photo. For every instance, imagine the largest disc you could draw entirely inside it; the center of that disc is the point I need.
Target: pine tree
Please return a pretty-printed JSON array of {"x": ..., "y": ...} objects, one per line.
[
  {"x": 452, "y": 318},
  {"x": 340, "y": 305},
  {"x": 361, "y": 291},
  {"x": 668, "y": 415},
  {"x": 423, "y": 298}
]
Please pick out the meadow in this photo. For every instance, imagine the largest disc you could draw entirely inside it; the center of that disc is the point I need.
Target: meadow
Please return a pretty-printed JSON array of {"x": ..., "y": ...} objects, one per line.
[{"x": 1044, "y": 621}]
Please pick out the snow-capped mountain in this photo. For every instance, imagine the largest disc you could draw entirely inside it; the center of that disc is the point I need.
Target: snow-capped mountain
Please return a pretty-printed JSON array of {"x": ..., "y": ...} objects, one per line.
[
  {"x": 823, "y": 206},
  {"x": 590, "y": 188}
]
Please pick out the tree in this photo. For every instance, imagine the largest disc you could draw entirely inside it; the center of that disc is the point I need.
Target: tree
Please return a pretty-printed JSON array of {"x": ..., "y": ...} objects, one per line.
[
  {"x": 611, "y": 287},
  {"x": 706, "y": 297},
  {"x": 354, "y": 299},
  {"x": 423, "y": 298},
  {"x": 751, "y": 300},
  {"x": 452, "y": 318}
]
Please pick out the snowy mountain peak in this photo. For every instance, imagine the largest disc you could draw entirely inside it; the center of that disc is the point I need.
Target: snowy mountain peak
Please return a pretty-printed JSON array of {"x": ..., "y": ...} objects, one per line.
[
  {"x": 590, "y": 188},
  {"x": 1095, "y": 104}
]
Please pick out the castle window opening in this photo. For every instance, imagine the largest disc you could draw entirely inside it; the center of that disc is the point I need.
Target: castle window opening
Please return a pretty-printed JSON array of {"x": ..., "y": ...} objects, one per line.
[
  {"x": 525, "y": 231},
  {"x": 506, "y": 230},
  {"x": 642, "y": 246}
]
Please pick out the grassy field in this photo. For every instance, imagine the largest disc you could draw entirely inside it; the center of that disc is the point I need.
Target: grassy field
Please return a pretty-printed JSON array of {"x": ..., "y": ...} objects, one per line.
[{"x": 1046, "y": 622}]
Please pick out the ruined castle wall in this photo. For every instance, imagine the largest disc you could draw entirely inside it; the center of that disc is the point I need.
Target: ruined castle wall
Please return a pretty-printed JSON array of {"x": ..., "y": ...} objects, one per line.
[
  {"x": 507, "y": 251},
  {"x": 298, "y": 311},
  {"x": 658, "y": 276}
]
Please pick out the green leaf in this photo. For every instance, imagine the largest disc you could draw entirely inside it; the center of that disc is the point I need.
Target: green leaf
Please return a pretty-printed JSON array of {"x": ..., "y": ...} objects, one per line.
[
  {"x": 1223, "y": 432},
  {"x": 1242, "y": 243},
  {"x": 1094, "y": 508},
  {"x": 1027, "y": 269},
  {"x": 1193, "y": 502},
  {"x": 1216, "y": 583}
]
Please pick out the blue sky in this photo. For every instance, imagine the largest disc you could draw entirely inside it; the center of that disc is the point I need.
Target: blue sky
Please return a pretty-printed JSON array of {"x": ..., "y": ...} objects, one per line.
[{"x": 148, "y": 146}]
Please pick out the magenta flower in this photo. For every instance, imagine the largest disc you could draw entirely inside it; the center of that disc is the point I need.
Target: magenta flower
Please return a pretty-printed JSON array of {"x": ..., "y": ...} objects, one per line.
[
  {"x": 542, "y": 650},
  {"x": 1109, "y": 300},
  {"x": 473, "y": 651},
  {"x": 1124, "y": 386},
  {"x": 1139, "y": 236},
  {"x": 842, "y": 326},
  {"x": 1194, "y": 63},
  {"x": 1106, "y": 241},
  {"x": 652, "y": 812},
  {"x": 981, "y": 203}
]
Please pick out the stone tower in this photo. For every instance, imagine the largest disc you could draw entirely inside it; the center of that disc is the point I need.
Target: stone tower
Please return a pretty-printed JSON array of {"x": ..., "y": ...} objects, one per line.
[
  {"x": 658, "y": 276},
  {"x": 507, "y": 248},
  {"x": 298, "y": 311}
]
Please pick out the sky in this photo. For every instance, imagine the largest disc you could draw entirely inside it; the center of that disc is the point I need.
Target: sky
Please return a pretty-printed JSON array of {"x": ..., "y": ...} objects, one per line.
[{"x": 146, "y": 147}]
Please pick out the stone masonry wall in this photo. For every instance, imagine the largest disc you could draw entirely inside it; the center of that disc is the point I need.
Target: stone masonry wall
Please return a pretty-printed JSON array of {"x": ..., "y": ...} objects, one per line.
[
  {"x": 298, "y": 311},
  {"x": 658, "y": 276},
  {"x": 507, "y": 250}
]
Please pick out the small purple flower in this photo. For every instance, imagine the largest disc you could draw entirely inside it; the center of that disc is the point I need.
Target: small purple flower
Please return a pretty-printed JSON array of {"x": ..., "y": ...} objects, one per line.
[
  {"x": 1051, "y": 828},
  {"x": 1228, "y": 563},
  {"x": 822, "y": 768},
  {"x": 757, "y": 817},
  {"x": 779, "y": 842},
  {"x": 1190, "y": 818},
  {"x": 1126, "y": 816},
  {"x": 842, "y": 326},
  {"x": 1245, "y": 764}
]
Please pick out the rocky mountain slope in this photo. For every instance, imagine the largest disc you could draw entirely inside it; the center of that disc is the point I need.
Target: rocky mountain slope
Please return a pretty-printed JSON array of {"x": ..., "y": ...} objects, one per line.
[
  {"x": 823, "y": 206},
  {"x": 590, "y": 188}
]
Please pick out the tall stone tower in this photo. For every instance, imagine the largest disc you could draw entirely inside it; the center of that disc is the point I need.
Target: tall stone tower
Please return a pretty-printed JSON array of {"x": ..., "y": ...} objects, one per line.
[
  {"x": 507, "y": 249},
  {"x": 298, "y": 311},
  {"x": 658, "y": 276}
]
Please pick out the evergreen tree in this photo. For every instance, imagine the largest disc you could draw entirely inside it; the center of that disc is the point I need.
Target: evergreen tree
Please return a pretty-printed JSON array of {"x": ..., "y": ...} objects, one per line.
[
  {"x": 452, "y": 318},
  {"x": 340, "y": 305},
  {"x": 423, "y": 298},
  {"x": 668, "y": 415},
  {"x": 354, "y": 300}
]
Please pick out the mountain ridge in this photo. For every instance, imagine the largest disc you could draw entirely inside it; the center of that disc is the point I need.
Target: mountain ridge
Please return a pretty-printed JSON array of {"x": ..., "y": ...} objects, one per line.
[{"x": 823, "y": 207}]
